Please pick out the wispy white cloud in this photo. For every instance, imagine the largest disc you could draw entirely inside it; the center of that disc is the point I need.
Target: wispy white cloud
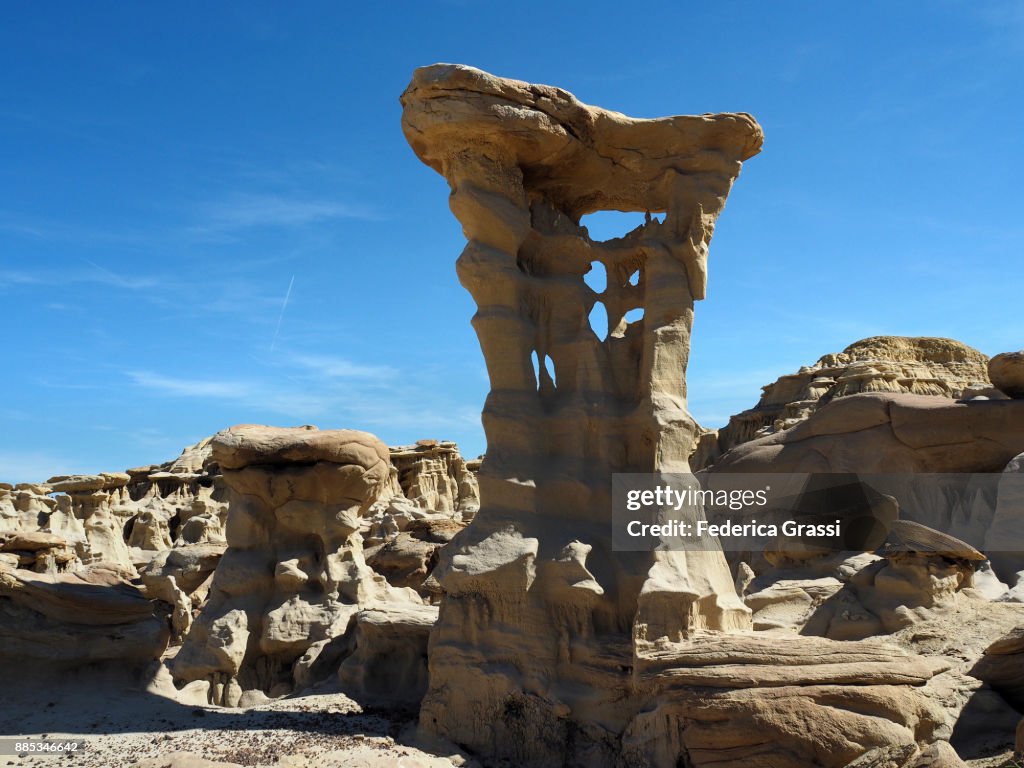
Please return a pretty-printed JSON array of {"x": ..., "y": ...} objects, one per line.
[
  {"x": 94, "y": 273},
  {"x": 108, "y": 277},
  {"x": 184, "y": 387},
  {"x": 16, "y": 277},
  {"x": 305, "y": 388},
  {"x": 58, "y": 230},
  {"x": 329, "y": 367},
  {"x": 245, "y": 211}
]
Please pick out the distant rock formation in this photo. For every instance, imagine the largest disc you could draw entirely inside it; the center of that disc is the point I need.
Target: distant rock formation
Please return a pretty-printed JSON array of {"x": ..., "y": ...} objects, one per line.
[
  {"x": 150, "y": 539},
  {"x": 906, "y": 434},
  {"x": 124, "y": 517},
  {"x": 889, "y": 433},
  {"x": 433, "y": 476},
  {"x": 915, "y": 365}
]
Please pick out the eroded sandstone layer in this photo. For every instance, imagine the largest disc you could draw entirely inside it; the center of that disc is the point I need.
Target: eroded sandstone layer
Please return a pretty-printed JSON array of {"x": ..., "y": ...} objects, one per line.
[
  {"x": 538, "y": 613},
  {"x": 432, "y": 475},
  {"x": 294, "y": 576},
  {"x": 896, "y": 364}
]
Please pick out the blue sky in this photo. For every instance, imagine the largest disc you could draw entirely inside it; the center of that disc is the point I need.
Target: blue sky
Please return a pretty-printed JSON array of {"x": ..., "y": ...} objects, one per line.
[{"x": 170, "y": 170}]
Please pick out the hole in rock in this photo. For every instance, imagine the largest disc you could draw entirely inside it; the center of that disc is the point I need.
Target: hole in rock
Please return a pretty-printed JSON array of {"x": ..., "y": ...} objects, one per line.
[
  {"x": 536, "y": 367},
  {"x": 634, "y": 314},
  {"x": 599, "y": 320},
  {"x": 597, "y": 277},
  {"x": 174, "y": 524},
  {"x": 634, "y": 279},
  {"x": 549, "y": 366},
  {"x": 658, "y": 217},
  {"x": 607, "y": 225}
]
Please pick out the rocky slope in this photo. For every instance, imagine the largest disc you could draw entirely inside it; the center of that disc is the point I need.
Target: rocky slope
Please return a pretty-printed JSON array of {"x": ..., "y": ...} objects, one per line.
[{"x": 914, "y": 365}]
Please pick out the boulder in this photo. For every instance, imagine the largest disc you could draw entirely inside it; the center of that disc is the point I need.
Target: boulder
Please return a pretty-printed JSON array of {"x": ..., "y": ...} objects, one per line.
[{"x": 1007, "y": 373}]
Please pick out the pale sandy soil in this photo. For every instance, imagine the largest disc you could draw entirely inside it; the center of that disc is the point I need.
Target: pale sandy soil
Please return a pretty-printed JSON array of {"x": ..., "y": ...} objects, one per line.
[{"x": 122, "y": 725}]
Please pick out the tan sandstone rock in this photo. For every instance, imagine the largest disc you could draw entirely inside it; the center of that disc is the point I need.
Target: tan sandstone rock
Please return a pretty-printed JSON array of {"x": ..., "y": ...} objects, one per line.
[
  {"x": 434, "y": 476},
  {"x": 916, "y": 365},
  {"x": 533, "y": 596},
  {"x": 293, "y": 577},
  {"x": 1007, "y": 373},
  {"x": 124, "y": 517},
  {"x": 73, "y": 619},
  {"x": 552, "y": 649}
]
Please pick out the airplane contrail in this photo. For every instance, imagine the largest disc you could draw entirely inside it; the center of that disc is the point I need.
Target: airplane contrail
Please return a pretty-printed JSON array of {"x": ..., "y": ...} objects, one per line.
[{"x": 284, "y": 306}]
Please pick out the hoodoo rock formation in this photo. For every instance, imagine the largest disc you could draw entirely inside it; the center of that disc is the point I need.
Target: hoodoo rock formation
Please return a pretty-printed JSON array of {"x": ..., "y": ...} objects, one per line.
[
  {"x": 124, "y": 518},
  {"x": 538, "y": 612},
  {"x": 293, "y": 577},
  {"x": 551, "y": 648},
  {"x": 489, "y": 596},
  {"x": 148, "y": 540}
]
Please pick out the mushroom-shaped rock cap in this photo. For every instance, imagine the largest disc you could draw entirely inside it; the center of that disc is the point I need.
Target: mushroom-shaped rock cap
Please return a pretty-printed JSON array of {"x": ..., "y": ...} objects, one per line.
[
  {"x": 908, "y": 536},
  {"x": 251, "y": 444},
  {"x": 585, "y": 157}
]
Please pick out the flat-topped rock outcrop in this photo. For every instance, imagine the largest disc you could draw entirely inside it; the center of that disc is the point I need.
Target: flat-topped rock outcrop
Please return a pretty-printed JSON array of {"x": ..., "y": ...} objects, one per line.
[
  {"x": 890, "y": 433},
  {"x": 70, "y": 620}
]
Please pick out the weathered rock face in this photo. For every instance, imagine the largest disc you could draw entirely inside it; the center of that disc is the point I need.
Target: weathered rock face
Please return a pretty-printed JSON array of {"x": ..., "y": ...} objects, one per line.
[
  {"x": 293, "y": 576},
  {"x": 1007, "y": 373},
  {"x": 183, "y": 501},
  {"x": 181, "y": 577},
  {"x": 551, "y": 648},
  {"x": 407, "y": 557},
  {"x": 909, "y": 436},
  {"x": 124, "y": 518},
  {"x": 389, "y": 663},
  {"x": 1002, "y": 667},
  {"x": 920, "y": 366},
  {"x": 537, "y": 611},
  {"x": 73, "y": 619},
  {"x": 434, "y": 476},
  {"x": 165, "y": 524},
  {"x": 763, "y": 700},
  {"x": 890, "y": 433}
]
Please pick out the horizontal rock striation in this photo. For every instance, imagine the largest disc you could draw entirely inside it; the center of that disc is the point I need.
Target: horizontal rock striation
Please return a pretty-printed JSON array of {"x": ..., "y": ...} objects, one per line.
[
  {"x": 293, "y": 576},
  {"x": 896, "y": 364}
]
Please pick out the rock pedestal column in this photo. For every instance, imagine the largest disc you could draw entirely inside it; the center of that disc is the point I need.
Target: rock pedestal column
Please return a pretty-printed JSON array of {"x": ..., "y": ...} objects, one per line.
[{"x": 540, "y": 619}]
